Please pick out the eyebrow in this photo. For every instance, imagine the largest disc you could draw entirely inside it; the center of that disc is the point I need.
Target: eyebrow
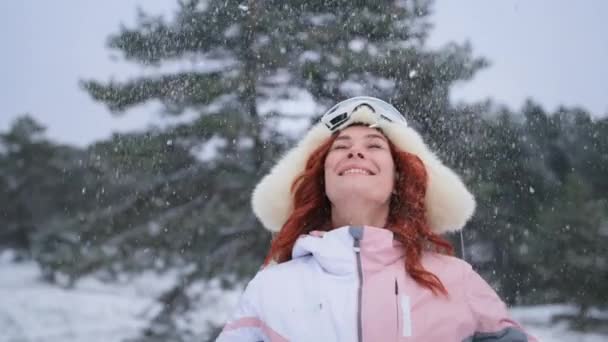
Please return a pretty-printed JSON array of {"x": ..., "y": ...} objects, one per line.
[{"x": 369, "y": 136}]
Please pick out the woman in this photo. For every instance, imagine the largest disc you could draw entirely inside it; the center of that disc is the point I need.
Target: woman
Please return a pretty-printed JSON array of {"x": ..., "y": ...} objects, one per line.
[{"x": 358, "y": 208}]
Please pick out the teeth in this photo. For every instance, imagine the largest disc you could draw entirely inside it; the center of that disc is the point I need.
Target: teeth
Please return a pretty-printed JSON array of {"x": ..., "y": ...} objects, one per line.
[{"x": 359, "y": 171}]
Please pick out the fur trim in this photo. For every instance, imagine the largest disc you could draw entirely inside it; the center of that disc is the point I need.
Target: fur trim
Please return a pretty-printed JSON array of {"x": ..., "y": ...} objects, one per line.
[{"x": 448, "y": 202}]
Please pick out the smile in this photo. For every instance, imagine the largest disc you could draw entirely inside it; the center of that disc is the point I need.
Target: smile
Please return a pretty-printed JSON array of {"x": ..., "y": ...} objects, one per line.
[{"x": 356, "y": 171}]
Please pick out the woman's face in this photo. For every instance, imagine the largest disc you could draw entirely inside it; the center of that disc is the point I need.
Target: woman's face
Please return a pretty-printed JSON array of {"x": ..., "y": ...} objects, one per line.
[{"x": 359, "y": 163}]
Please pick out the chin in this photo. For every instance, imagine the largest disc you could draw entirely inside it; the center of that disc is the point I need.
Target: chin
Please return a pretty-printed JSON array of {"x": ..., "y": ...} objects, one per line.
[{"x": 348, "y": 192}]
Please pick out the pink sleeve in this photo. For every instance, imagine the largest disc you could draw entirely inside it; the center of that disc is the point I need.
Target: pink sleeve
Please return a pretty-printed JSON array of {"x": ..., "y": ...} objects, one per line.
[{"x": 493, "y": 320}]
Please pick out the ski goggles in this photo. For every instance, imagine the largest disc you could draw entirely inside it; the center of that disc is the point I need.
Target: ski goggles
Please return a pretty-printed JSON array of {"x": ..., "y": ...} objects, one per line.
[{"x": 336, "y": 117}]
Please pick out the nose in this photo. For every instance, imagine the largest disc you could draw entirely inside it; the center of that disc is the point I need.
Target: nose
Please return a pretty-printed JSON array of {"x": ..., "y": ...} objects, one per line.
[{"x": 352, "y": 155}]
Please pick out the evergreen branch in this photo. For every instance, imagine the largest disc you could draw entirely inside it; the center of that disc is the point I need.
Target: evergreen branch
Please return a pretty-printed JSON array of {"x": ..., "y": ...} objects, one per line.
[{"x": 188, "y": 89}]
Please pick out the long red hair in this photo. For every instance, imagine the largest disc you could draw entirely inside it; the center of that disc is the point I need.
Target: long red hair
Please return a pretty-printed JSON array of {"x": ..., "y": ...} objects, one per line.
[{"x": 406, "y": 219}]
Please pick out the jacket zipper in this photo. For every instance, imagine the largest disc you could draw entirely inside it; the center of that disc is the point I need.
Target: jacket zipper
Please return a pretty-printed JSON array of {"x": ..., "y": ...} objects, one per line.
[
  {"x": 397, "y": 309},
  {"x": 357, "y": 248}
]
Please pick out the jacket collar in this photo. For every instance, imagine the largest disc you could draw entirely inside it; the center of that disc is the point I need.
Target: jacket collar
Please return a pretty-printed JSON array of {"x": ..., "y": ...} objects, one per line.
[{"x": 335, "y": 250}]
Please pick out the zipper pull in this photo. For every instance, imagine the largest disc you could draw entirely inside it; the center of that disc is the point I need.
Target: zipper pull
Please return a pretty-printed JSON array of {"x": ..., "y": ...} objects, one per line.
[
  {"x": 357, "y": 234},
  {"x": 396, "y": 288}
]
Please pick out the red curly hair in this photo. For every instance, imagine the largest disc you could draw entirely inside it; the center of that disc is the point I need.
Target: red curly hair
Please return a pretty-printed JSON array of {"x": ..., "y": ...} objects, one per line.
[{"x": 406, "y": 219}]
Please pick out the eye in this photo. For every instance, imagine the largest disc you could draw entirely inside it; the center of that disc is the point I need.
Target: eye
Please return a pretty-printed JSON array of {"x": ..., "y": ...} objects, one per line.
[
  {"x": 375, "y": 146},
  {"x": 340, "y": 147}
]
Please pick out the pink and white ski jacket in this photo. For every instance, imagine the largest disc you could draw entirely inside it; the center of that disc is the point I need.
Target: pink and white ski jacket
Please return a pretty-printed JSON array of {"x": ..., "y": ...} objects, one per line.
[{"x": 351, "y": 285}]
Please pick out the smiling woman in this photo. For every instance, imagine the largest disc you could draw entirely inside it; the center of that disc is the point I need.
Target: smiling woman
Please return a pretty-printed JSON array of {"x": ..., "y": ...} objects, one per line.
[
  {"x": 358, "y": 207},
  {"x": 359, "y": 174}
]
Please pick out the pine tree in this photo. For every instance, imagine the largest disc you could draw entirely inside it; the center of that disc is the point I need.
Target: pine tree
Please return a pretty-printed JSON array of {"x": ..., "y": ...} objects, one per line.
[
  {"x": 184, "y": 211},
  {"x": 37, "y": 185},
  {"x": 508, "y": 192},
  {"x": 574, "y": 232},
  {"x": 571, "y": 224}
]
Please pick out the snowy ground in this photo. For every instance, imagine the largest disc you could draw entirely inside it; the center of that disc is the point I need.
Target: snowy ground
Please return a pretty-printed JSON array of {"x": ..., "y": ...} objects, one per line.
[{"x": 33, "y": 311}]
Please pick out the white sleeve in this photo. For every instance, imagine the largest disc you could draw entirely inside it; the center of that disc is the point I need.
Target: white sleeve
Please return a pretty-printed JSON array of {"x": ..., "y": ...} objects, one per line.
[{"x": 246, "y": 323}]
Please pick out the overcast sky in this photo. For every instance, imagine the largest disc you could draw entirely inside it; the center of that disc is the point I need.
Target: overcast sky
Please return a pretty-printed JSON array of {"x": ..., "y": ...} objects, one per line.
[{"x": 554, "y": 52}]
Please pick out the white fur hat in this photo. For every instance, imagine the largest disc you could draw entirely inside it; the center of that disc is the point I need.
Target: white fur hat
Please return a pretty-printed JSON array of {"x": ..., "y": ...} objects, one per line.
[{"x": 449, "y": 205}]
